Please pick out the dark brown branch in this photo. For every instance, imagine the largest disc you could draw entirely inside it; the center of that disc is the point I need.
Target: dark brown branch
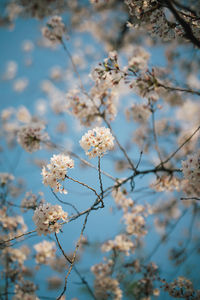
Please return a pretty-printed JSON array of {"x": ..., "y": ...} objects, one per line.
[
  {"x": 178, "y": 89},
  {"x": 186, "y": 27},
  {"x": 100, "y": 180}
]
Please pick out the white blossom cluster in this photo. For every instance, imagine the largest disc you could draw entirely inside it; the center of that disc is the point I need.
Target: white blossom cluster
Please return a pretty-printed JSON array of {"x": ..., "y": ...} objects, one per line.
[
  {"x": 18, "y": 255},
  {"x": 25, "y": 290},
  {"x": 181, "y": 288},
  {"x": 56, "y": 172},
  {"x": 139, "y": 59},
  {"x": 23, "y": 115},
  {"x": 84, "y": 109},
  {"x": 20, "y": 84},
  {"x": 121, "y": 243},
  {"x": 160, "y": 26},
  {"x": 56, "y": 96},
  {"x": 12, "y": 225},
  {"x": 99, "y": 140},
  {"x": 12, "y": 120},
  {"x": 121, "y": 199},
  {"x": 105, "y": 286},
  {"x": 190, "y": 189},
  {"x": 31, "y": 135},
  {"x": 108, "y": 73},
  {"x": 35, "y": 8},
  {"x": 135, "y": 221},
  {"x": 139, "y": 112},
  {"x": 46, "y": 218},
  {"x": 54, "y": 30},
  {"x": 11, "y": 70},
  {"x": 102, "y": 269},
  {"x": 6, "y": 178},
  {"x": 45, "y": 251},
  {"x": 145, "y": 86},
  {"x": 191, "y": 168},
  {"x": 166, "y": 183},
  {"x": 148, "y": 14},
  {"x": 138, "y": 8}
]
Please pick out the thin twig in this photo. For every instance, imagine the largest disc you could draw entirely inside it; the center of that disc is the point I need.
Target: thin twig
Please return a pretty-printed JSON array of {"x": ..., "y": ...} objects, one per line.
[
  {"x": 190, "y": 198},
  {"x": 100, "y": 180},
  {"x": 186, "y": 27},
  {"x": 75, "y": 269},
  {"x": 83, "y": 184},
  {"x": 178, "y": 89},
  {"x": 120, "y": 146},
  {"x": 74, "y": 257},
  {"x": 186, "y": 141},
  {"x": 155, "y": 135},
  {"x": 73, "y": 65},
  {"x": 64, "y": 202},
  {"x": 166, "y": 236},
  {"x": 17, "y": 237}
]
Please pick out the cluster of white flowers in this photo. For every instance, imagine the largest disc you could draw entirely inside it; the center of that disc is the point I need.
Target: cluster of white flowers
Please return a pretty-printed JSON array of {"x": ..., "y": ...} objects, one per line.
[
  {"x": 108, "y": 73},
  {"x": 12, "y": 120},
  {"x": 99, "y": 139},
  {"x": 189, "y": 113},
  {"x": 12, "y": 225},
  {"x": 25, "y": 290},
  {"x": 31, "y": 135},
  {"x": 121, "y": 243},
  {"x": 54, "y": 30},
  {"x": 18, "y": 255},
  {"x": 181, "y": 288},
  {"x": 6, "y": 178},
  {"x": 20, "y": 84},
  {"x": 45, "y": 251},
  {"x": 23, "y": 115},
  {"x": 57, "y": 170},
  {"x": 11, "y": 70},
  {"x": 160, "y": 26},
  {"x": 190, "y": 189},
  {"x": 46, "y": 218},
  {"x": 139, "y": 8},
  {"x": 105, "y": 286},
  {"x": 81, "y": 107},
  {"x": 135, "y": 221},
  {"x": 27, "y": 46},
  {"x": 148, "y": 14},
  {"x": 191, "y": 168},
  {"x": 139, "y": 112},
  {"x": 121, "y": 199},
  {"x": 56, "y": 96},
  {"x": 56, "y": 73},
  {"x": 145, "y": 86},
  {"x": 139, "y": 59},
  {"x": 102, "y": 269},
  {"x": 166, "y": 183}
]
